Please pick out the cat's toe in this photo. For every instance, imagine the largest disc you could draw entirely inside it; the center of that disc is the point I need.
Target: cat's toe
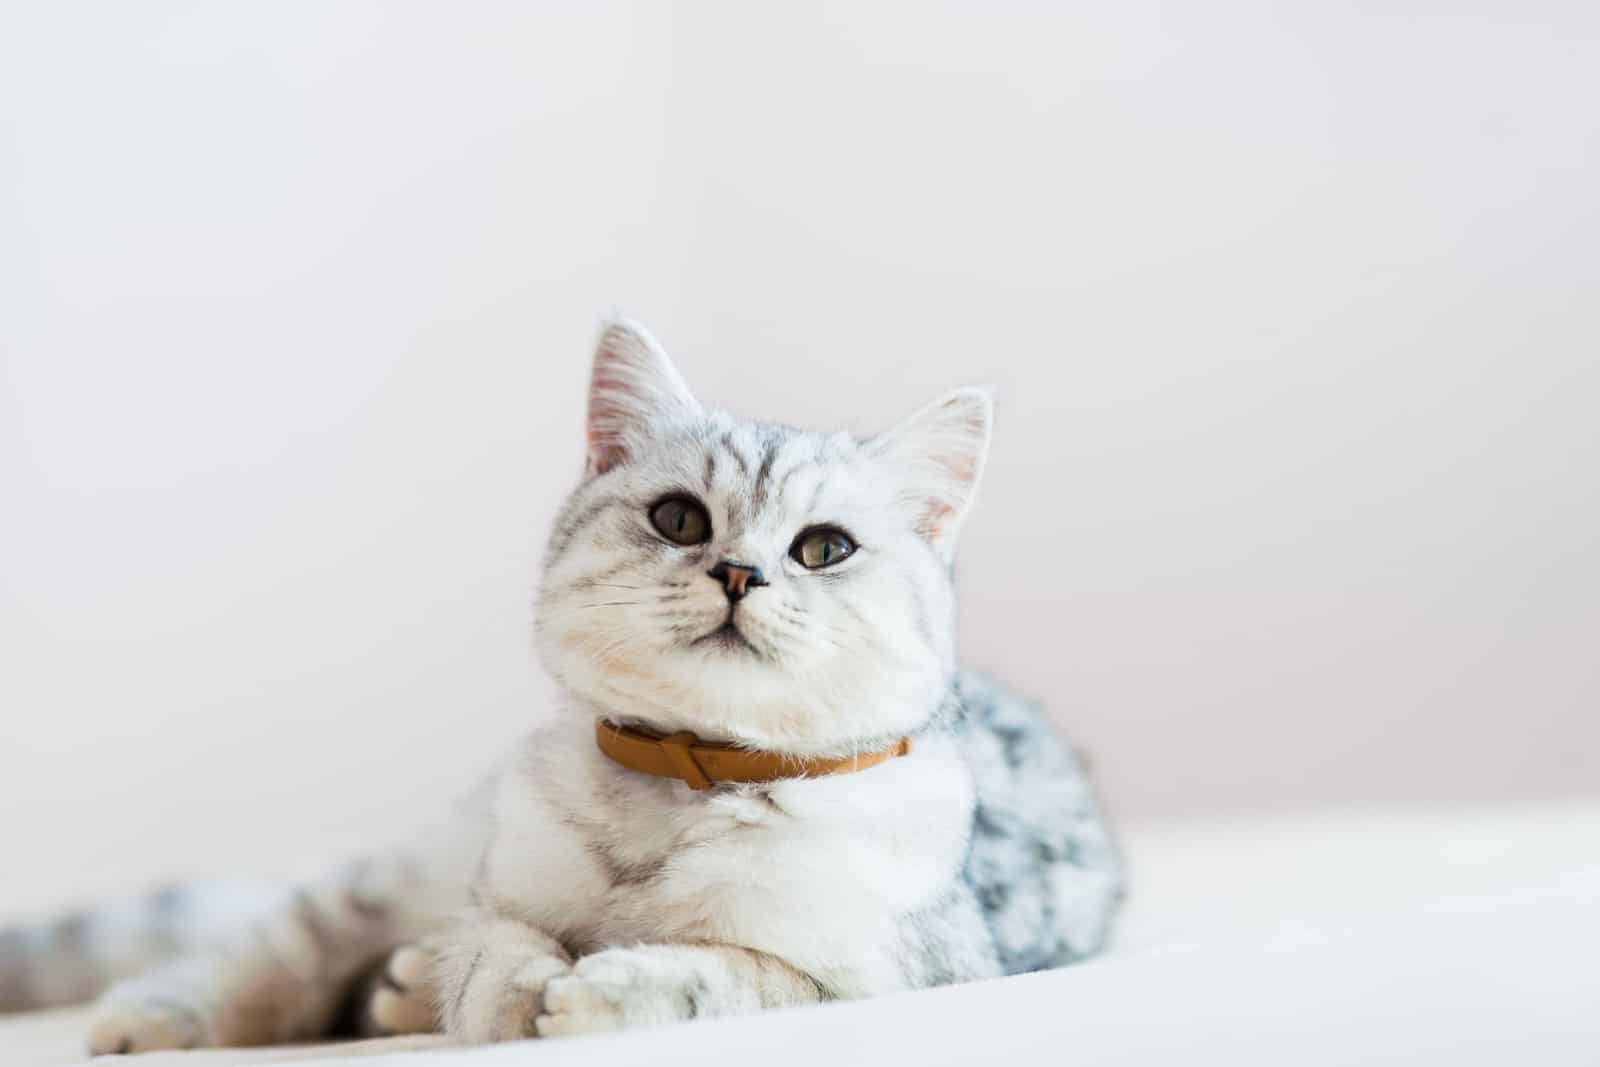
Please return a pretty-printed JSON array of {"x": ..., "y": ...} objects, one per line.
[
  {"x": 613, "y": 989},
  {"x": 497, "y": 999},
  {"x": 395, "y": 1012},
  {"x": 522, "y": 1001},
  {"x": 411, "y": 966},
  {"x": 401, "y": 1000},
  {"x": 143, "y": 1026},
  {"x": 579, "y": 1005}
]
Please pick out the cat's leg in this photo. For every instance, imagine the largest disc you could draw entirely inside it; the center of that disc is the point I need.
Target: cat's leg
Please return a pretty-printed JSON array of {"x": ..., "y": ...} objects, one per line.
[
  {"x": 492, "y": 976},
  {"x": 284, "y": 978},
  {"x": 648, "y": 984}
]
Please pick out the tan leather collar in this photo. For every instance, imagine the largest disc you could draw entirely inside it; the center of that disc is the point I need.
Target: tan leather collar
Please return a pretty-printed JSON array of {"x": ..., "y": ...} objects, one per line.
[{"x": 705, "y": 763}]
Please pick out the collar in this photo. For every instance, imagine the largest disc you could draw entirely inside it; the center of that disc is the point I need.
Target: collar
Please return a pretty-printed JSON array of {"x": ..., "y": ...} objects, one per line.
[{"x": 703, "y": 764}]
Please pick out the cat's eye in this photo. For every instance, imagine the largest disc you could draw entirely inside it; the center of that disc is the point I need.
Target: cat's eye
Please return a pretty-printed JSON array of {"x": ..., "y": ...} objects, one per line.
[
  {"x": 821, "y": 546},
  {"x": 681, "y": 521}
]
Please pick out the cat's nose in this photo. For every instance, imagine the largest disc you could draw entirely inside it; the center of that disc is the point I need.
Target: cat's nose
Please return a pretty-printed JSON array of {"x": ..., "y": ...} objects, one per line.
[{"x": 737, "y": 578}]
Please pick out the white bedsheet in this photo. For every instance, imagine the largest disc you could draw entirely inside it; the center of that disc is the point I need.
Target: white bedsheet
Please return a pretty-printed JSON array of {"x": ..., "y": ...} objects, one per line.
[{"x": 1465, "y": 937}]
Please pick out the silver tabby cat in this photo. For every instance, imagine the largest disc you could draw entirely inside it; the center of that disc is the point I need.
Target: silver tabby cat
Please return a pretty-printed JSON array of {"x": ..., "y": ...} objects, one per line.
[{"x": 574, "y": 895}]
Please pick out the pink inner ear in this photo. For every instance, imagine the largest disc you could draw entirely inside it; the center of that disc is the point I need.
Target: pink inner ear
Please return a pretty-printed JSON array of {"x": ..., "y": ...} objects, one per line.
[
  {"x": 963, "y": 468},
  {"x": 632, "y": 385},
  {"x": 608, "y": 414},
  {"x": 618, "y": 401},
  {"x": 964, "y": 464},
  {"x": 934, "y": 519}
]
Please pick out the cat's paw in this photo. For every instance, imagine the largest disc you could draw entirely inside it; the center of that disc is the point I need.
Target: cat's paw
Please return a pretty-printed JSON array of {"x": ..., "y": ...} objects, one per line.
[
  {"x": 401, "y": 999},
  {"x": 503, "y": 1006},
  {"x": 618, "y": 988},
  {"x": 144, "y": 1025}
]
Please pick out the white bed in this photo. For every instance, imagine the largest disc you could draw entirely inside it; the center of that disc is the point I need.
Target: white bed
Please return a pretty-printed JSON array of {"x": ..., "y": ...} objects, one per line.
[{"x": 1458, "y": 937}]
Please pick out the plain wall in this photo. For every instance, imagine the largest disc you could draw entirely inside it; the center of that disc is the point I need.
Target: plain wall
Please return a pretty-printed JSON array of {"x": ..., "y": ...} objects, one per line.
[{"x": 1294, "y": 312}]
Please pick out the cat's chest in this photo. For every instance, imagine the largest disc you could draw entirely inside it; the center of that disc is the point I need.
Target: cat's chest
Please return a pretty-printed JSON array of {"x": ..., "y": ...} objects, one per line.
[
  {"x": 730, "y": 862},
  {"x": 609, "y": 855},
  {"x": 657, "y": 842}
]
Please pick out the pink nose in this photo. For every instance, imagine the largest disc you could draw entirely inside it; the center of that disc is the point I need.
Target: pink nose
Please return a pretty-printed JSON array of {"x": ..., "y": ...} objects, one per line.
[{"x": 737, "y": 578}]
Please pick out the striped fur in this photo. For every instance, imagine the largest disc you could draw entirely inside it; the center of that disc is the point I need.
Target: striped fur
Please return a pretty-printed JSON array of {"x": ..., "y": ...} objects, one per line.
[
  {"x": 73, "y": 958},
  {"x": 571, "y": 895}
]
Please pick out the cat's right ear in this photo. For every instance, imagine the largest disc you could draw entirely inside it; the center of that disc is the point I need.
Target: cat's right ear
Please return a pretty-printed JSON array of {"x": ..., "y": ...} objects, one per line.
[{"x": 634, "y": 389}]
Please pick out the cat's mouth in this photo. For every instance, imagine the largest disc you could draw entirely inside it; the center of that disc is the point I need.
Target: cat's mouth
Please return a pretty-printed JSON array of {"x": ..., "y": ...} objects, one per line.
[{"x": 728, "y": 636}]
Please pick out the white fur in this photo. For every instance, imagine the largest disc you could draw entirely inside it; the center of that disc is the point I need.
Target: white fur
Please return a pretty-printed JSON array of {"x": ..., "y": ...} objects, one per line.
[
  {"x": 602, "y": 897},
  {"x": 813, "y": 873}
]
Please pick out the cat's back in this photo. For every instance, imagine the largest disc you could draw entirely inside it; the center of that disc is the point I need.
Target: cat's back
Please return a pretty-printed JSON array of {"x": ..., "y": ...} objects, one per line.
[{"x": 1041, "y": 863}]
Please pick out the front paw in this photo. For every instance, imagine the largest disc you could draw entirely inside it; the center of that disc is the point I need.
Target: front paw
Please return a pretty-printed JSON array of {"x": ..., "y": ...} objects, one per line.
[
  {"x": 144, "y": 1024},
  {"x": 501, "y": 1004},
  {"x": 618, "y": 988}
]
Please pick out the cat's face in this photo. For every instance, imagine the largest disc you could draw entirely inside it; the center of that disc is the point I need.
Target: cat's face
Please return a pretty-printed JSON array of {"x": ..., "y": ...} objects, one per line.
[{"x": 752, "y": 583}]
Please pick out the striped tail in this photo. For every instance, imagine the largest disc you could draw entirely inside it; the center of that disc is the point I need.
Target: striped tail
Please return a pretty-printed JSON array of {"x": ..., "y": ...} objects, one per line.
[{"x": 73, "y": 959}]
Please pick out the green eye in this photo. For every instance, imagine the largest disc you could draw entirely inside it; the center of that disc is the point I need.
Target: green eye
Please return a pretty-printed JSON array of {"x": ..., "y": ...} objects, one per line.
[
  {"x": 681, "y": 521},
  {"x": 821, "y": 546}
]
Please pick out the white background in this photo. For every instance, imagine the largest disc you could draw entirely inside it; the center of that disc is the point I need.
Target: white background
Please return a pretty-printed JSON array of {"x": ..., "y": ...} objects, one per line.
[{"x": 1295, "y": 494}]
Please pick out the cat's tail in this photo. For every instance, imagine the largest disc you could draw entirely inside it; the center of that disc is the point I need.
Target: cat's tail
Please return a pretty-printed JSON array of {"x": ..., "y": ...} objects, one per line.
[{"x": 72, "y": 959}]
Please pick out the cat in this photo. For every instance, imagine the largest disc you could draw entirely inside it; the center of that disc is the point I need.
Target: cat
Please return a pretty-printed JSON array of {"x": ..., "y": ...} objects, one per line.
[{"x": 716, "y": 593}]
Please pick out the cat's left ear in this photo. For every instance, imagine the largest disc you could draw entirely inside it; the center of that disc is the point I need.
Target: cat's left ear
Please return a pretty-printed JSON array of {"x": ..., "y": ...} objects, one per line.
[
  {"x": 634, "y": 391},
  {"x": 938, "y": 454}
]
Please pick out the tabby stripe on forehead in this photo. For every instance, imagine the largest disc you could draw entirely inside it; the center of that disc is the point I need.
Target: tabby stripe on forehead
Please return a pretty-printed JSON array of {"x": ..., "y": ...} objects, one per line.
[
  {"x": 783, "y": 483},
  {"x": 711, "y": 468},
  {"x": 769, "y": 456},
  {"x": 727, "y": 443}
]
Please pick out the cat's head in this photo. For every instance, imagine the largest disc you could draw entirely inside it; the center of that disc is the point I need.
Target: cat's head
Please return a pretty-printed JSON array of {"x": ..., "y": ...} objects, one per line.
[{"x": 753, "y": 583}]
